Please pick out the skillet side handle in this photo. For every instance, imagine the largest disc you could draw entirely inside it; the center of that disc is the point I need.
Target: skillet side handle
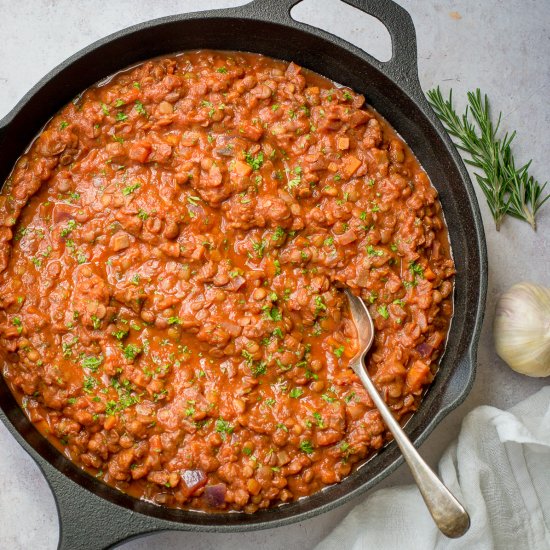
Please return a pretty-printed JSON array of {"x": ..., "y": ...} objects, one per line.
[
  {"x": 88, "y": 522},
  {"x": 402, "y": 67}
]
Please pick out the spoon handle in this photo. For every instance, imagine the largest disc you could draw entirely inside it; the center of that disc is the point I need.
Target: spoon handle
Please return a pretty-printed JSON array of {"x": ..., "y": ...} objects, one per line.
[{"x": 449, "y": 515}]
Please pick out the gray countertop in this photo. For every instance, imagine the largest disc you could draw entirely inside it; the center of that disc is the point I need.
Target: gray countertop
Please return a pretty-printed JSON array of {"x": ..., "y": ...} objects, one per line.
[{"x": 503, "y": 47}]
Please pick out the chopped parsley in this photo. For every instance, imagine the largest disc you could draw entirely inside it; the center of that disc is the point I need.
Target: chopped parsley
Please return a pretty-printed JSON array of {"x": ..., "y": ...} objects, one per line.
[
  {"x": 371, "y": 251},
  {"x": 255, "y": 162},
  {"x": 120, "y": 334},
  {"x": 339, "y": 351},
  {"x": 16, "y": 321},
  {"x": 259, "y": 368},
  {"x": 278, "y": 234},
  {"x": 128, "y": 190},
  {"x": 319, "y": 305},
  {"x": 372, "y": 297},
  {"x": 89, "y": 384},
  {"x": 193, "y": 200},
  {"x": 71, "y": 225},
  {"x": 306, "y": 446},
  {"x": 383, "y": 310},
  {"x": 273, "y": 313},
  {"x": 295, "y": 393},
  {"x": 416, "y": 269},
  {"x": 91, "y": 362},
  {"x": 125, "y": 397},
  {"x": 223, "y": 427},
  {"x": 294, "y": 182},
  {"x": 319, "y": 419},
  {"x": 140, "y": 108},
  {"x": 349, "y": 397},
  {"x": 259, "y": 248},
  {"x": 131, "y": 351}
]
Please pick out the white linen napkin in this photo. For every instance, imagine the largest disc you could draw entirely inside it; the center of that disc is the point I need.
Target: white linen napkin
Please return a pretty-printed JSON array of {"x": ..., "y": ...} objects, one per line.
[{"x": 499, "y": 468}]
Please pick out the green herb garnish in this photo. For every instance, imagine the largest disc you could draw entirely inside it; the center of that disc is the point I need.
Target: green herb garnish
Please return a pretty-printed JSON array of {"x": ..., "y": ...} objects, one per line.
[
  {"x": 91, "y": 362},
  {"x": 508, "y": 190},
  {"x": 128, "y": 190},
  {"x": 224, "y": 427},
  {"x": 255, "y": 162},
  {"x": 295, "y": 393}
]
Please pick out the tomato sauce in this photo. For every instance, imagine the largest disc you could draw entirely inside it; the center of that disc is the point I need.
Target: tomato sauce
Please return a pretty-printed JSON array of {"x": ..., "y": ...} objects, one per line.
[{"x": 175, "y": 245}]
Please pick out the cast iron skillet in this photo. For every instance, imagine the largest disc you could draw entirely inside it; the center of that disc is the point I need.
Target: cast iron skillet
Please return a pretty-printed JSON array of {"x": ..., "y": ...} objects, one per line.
[{"x": 93, "y": 515}]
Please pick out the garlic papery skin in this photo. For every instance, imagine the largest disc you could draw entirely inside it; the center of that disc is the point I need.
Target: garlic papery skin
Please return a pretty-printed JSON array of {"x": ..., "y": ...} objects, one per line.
[{"x": 522, "y": 329}]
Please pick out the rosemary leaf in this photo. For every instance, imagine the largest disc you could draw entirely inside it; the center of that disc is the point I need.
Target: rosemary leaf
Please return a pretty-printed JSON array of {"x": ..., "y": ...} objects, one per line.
[{"x": 508, "y": 190}]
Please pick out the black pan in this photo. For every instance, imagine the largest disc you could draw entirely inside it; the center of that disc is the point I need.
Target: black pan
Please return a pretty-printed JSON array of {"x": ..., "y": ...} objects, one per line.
[{"x": 93, "y": 515}]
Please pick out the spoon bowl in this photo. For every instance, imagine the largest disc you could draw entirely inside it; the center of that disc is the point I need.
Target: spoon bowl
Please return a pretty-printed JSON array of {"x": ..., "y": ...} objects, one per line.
[{"x": 449, "y": 515}]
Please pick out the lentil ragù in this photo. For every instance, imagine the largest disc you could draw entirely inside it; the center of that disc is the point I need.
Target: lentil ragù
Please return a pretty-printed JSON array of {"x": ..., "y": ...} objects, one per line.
[{"x": 172, "y": 247}]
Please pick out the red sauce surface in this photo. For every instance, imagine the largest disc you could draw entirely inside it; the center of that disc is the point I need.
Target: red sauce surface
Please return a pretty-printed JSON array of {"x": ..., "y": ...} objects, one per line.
[{"x": 175, "y": 243}]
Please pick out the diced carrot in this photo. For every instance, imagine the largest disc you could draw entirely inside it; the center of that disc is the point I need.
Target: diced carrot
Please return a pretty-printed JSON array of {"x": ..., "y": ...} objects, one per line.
[
  {"x": 251, "y": 132},
  {"x": 350, "y": 351},
  {"x": 189, "y": 140},
  {"x": 333, "y": 167},
  {"x": 330, "y": 341},
  {"x": 242, "y": 168},
  {"x": 139, "y": 151},
  {"x": 429, "y": 274},
  {"x": 109, "y": 423},
  {"x": 351, "y": 164},
  {"x": 343, "y": 143},
  {"x": 172, "y": 139},
  {"x": 418, "y": 375}
]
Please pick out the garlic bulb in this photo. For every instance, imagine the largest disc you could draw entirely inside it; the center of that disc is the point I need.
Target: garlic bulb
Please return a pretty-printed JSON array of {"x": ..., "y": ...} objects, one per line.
[{"x": 522, "y": 329}]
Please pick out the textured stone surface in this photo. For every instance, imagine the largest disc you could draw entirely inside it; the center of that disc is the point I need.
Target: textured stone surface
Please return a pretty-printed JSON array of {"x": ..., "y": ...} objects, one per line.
[{"x": 502, "y": 47}]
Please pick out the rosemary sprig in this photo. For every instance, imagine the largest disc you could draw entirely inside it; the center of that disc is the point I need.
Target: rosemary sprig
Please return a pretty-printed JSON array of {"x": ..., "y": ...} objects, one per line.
[{"x": 508, "y": 190}]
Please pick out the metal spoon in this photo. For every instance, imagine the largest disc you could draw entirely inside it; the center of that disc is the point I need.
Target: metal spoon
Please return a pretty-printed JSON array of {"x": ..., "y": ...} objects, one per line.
[{"x": 448, "y": 514}]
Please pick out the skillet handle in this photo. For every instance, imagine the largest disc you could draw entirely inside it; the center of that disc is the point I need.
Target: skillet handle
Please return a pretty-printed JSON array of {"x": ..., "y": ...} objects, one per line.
[
  {"x": 87, "y": 521},
  {"x": 402, "y": 67}
]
